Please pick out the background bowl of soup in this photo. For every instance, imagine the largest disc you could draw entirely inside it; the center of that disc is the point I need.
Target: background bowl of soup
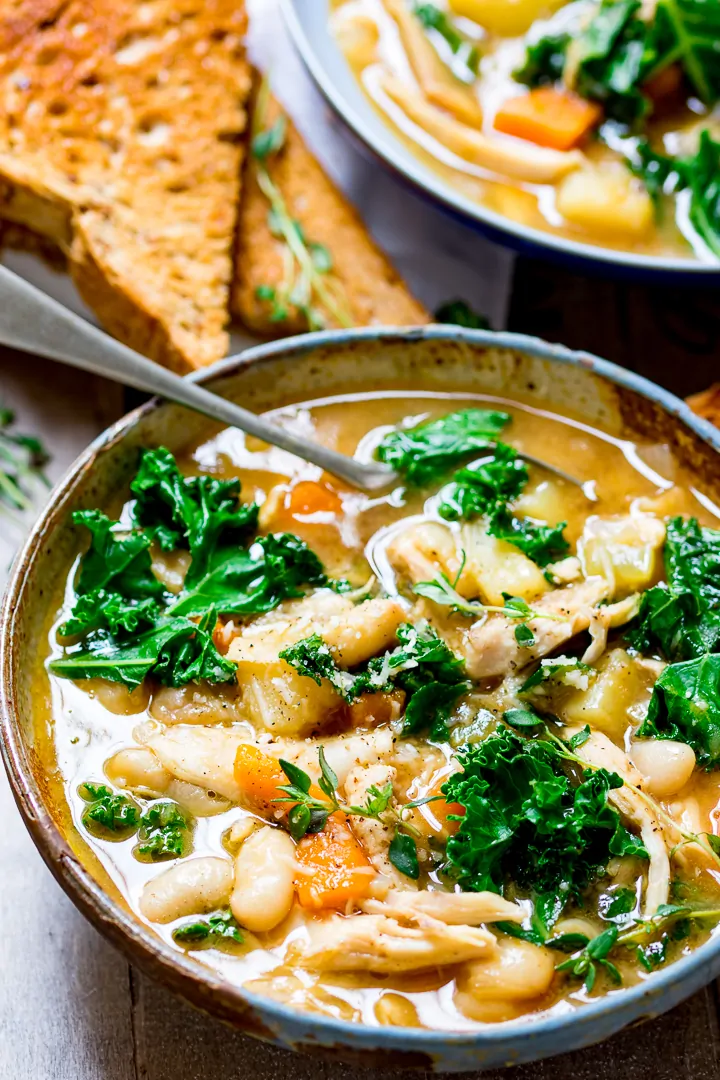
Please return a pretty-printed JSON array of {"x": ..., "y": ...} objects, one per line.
[
  {"x": 355, "y": 380},
  {"x": 600, "y": 214}
]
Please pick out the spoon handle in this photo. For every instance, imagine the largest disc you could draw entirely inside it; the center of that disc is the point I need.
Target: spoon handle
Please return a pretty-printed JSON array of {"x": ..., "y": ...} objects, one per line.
[{"x": 32, "y": 321}]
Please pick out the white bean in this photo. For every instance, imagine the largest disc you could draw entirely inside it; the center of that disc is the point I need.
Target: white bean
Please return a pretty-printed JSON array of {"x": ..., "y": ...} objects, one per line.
[
  {"x": 518, "y": 971},
  {"x": 264, "y": 880},
  {"x": 665, "y": 764},
  {"x": 192, "y": 887},
  {"x": 138, "y": 769},
  {"x": 199, "y": 801}
]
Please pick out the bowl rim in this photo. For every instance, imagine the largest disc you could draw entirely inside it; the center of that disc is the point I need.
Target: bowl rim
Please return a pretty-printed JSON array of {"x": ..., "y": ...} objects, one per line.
[
  {"x": 205, "y": 987},
  {"x": 423, "y": 181}
]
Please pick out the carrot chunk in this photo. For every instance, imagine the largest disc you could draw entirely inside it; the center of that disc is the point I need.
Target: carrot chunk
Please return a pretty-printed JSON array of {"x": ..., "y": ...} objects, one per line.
[
  {"x": 548, "y": 117},
  {"x": 259, "y": 776},
  {"x": 309, "y": 497},
  {"x": 335, "y": 869}
]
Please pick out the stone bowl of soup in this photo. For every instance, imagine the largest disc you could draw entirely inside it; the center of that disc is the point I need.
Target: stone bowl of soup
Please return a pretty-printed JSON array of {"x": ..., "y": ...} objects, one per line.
[
  {"x": 583, "y": 129},
  {"x": 425, "y": 777}
]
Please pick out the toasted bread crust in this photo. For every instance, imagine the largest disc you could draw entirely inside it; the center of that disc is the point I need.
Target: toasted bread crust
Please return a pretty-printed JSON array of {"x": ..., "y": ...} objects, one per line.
[
  {"x": 375, "y": 292},
  {"x": 121, "y": 140}
]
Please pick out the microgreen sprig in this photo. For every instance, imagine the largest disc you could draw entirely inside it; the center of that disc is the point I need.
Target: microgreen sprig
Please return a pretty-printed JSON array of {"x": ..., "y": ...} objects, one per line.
[
  {"x": 306, "y": 284},
  {"x": 309, "y": 813}
]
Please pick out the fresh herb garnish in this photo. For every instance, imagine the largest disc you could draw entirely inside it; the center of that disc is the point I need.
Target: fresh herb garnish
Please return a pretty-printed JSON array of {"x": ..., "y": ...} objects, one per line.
[
  {"x": 422, "y": 665},
  {"x": 165, "y": 832},
  {"x": 527, "y": 822},
  {"x": 22, "y": 458},
  {"x": 425, "y": 453},
  {"x": 465, "y": 55},
  {"x": 218, "y": 927},
  {"x": 524, "y": 636},
  {"x": 459, "y": 313},
  {"x": 109, "y": 814},
  {"x": 309, "y": 813},
  {"x": 593, "y": 954},
  {"x": 443, "y": 592},
  {"x": 307, "y": 285}
]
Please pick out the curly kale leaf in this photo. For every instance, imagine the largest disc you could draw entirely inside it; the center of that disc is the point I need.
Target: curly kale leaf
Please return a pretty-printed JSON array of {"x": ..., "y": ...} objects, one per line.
[
  {"x": 685, "y": 706},
  {"x": 527, "y": 823},
  {"x": 425, "y": 453},
  {"x": 249, "y": 582},
  {"x": 188, "y": 511},
  {"x": 175, "y": 652},
  {"x": 481, "y": 487}
]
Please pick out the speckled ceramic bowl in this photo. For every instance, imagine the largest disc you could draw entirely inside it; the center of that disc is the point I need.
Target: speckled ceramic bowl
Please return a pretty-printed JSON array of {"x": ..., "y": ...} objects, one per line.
[
  {"x": 315, "y": 365},
  {"x": 308, "y": 24}
]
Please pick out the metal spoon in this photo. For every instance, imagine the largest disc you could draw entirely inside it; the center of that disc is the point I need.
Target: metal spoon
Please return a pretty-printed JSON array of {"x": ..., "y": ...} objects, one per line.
[{"x": 32, "y": 321}]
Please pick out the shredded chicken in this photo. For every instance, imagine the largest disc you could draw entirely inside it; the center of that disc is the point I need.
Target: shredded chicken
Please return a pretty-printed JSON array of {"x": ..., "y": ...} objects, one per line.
[
  {"x": 453, "y": 909},
  {"x": 603, "y": 620},
  {"x": 206, "y": 755},
  {"x": 491, "y": 648},
  {"x": 373, "y": 835},
  {"x": 598, "y": 750},
  {"x": 517, "y": 158},
  {"x": 386, "y": 946}
]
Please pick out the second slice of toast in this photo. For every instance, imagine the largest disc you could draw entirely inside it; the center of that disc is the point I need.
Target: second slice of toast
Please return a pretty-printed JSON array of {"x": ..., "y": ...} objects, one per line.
[{"x": 363, "y": 287}]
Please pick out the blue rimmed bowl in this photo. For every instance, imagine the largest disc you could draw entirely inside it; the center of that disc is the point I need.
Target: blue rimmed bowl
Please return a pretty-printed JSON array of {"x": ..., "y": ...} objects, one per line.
[
  {"x": 308, "y": 22},
  {"x": 440, "y": 358}
]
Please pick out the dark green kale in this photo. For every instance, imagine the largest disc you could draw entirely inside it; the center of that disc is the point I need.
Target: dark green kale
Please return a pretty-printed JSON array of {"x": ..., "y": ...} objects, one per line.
[
  {"x": 193, "y": 512},
  {"x": 424, "y": 454},
  {"x": 685, "y": 706},
  {"x": 541, "y": 543},
  {"x": 237, "y": 581},
  {"x": 465, "y": 55},
  {"x": 115, "y": 586},
  {"x": 176, "y": 651},
  {"x": 108, "y": 814},
  {"x": 219, "y": 927},
  {"x": 618, "y": 51},
  {"x": 129, "y": 626},
  {"x": 699, "y": 174},
  {"x": 485, "y": 485},
  {"x": 459, "y": 313},
  {"x": 526, "y": 822},
  {"x": 544, "y": 61},
  {"x": 165, "y": 833},
  {"x": 422, "y": 665},
  {"x": 682, "y": 618}
]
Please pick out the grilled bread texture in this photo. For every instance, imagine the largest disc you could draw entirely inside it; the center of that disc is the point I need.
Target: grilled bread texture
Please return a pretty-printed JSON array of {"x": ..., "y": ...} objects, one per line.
[
  {"x": 356, "y": 284},
  {"x": 121, "y": 140}
]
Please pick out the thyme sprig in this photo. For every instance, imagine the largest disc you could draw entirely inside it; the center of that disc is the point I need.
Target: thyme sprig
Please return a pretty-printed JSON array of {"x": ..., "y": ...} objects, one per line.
[{"x": 307, "y": 283}]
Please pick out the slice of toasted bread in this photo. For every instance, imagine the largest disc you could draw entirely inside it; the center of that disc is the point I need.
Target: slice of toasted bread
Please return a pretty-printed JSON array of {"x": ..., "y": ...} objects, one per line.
[
  {"x": 121, "y": 140},
  {"x": 366, "y": 289}
]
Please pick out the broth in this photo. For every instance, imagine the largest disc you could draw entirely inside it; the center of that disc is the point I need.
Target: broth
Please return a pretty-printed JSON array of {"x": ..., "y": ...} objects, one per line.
[
  {"x": 84, "y": 725},
  {"x": 613, "y": 211}
]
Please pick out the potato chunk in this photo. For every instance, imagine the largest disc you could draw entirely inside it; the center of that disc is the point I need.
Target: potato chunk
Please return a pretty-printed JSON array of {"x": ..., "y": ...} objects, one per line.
[
  {"x": 617, "y": 697},
  {"x": 606, "y": 202},
  {"x": 509, "y": 18},
  {"x": 625, "y": 550},
  {"x": 284, "y": 702},
  {"x": 495, "y": 567}
]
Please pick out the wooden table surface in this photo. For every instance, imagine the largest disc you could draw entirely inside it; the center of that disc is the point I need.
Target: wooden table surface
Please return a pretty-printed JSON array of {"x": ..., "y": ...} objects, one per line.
[{"x": 71, "y": 1008}]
